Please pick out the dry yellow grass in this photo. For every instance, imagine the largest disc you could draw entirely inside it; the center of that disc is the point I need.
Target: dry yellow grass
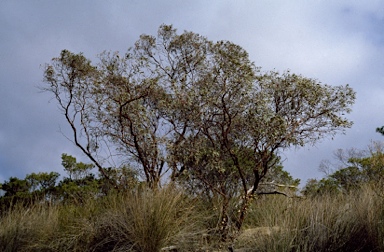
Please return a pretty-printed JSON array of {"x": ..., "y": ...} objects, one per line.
[{"x": 151, "y": 220}]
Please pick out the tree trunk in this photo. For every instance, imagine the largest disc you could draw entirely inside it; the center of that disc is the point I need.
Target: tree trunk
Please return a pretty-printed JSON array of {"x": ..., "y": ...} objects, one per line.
[
  {"x": 224, "y": 221},
  {"x": 242, "y": 212}
]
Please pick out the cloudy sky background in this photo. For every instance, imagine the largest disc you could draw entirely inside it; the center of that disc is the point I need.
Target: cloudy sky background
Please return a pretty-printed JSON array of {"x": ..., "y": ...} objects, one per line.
[{"x": 336, "y": 42}]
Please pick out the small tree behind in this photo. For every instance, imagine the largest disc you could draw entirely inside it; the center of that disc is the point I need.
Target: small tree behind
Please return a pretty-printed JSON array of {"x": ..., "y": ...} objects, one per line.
[{"x": 353, "y": 169}]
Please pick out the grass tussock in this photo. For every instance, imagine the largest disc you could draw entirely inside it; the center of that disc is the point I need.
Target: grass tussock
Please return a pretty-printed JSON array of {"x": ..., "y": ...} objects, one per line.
[
  {"x": 138, "y": 221},
  {"x": 28, "y": 229},
  {"x": 146, "y": 220},
  {"x": 342, "y": 222}
]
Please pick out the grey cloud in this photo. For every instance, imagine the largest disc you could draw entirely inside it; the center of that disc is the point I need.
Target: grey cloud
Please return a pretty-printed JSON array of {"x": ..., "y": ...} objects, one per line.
[{"x": 336, "y": 42}]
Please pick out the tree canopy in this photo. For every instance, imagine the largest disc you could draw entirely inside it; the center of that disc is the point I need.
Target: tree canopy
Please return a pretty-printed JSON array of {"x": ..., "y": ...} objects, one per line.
[{"x": 182, "y": 104}]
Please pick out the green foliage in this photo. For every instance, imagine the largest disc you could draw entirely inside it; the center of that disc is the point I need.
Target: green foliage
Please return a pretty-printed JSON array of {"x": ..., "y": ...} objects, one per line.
[
  {"x": 15, "y": 187},
  {"x": 42, "y": 181},
  {"x": 76, "y": 170},
  {"x": 324, "y": 186},
  {"x": 357, "y": 169},
  {"x": 124, "y": 179},
  {"x": 80, "y": 185}
]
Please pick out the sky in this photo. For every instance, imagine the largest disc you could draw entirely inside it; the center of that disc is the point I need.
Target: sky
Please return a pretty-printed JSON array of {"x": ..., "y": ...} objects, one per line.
[{"x": 336, "y": 42}]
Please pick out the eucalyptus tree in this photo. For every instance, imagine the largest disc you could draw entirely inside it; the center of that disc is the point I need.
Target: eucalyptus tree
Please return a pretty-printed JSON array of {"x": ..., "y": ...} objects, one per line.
[{"x": 199, "y": 108}]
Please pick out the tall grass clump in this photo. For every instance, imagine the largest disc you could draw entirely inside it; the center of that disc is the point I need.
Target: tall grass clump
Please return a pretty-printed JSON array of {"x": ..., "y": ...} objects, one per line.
[
  {"x": 78, "y": 225},
  {"x": 28, "y": 229},
  {"x": 42, "y": 227},
  {"x": 335, "y": 222},
  {"x": 148, "y": 220},
  {"x": 141, "y": 220}
]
